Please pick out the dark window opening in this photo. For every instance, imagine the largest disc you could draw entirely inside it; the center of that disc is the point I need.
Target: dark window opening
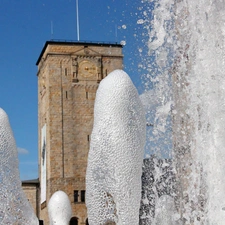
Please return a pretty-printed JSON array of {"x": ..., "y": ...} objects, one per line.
[
  {"x": 88, "y": 137},
  {"x": 74, "y": 221},
  {"x": 87, "y": 222},
  {"x": 86, "y": 95},
  {"x": 66, "y": 95},
  {"x": 65, "y": 71},
  {"x": 75, "y": 195},
  {"x": 83, "y": 196}
]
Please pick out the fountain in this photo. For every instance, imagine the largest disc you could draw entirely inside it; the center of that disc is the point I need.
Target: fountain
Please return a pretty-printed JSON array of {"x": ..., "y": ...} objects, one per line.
[
  {"x": 14, "y": 208},
  {"x": 113, "y": 180},
  {"x": 186, "y": 42},
  {"x": 59, "y": 209},
  {"x": 185, "y": 186}
]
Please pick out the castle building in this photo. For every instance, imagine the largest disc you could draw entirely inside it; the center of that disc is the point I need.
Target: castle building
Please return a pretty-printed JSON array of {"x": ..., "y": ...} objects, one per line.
[
  {"x": 31, "y": 190},
  {"x": 68, "y": 77}
]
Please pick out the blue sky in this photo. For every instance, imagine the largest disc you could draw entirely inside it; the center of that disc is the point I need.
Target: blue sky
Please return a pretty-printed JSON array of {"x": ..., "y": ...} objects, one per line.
[{"x": 25, "y": 26}]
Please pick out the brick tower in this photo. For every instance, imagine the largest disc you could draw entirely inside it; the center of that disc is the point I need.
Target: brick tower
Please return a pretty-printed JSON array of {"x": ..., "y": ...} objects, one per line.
[{"x": 68, "y": 77}]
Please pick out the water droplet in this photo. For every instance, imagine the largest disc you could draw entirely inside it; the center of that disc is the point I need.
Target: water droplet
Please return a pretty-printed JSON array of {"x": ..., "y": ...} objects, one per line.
[
  {"x": 140, "y": 21},
  {"x": 123, "y": 42}
]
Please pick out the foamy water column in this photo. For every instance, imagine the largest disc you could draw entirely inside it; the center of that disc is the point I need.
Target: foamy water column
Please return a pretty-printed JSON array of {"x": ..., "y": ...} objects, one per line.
[
  {"x": 14, "y": 206},
  {"x": 164, "y": 214},
  {"x": 200, "y": 77},
  {"x": 59, "y": 209},
  {"x": 194, "y": 30},
  {"x": 113, "y": 180}
]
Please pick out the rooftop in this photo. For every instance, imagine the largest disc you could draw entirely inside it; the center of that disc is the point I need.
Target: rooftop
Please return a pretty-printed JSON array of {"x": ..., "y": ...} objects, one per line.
[
  {"x": 34, "y": 181},
  {"x": 71, "y": 42}
]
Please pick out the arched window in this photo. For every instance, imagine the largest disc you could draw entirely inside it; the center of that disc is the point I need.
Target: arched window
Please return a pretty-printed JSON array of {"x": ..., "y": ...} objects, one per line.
[
  {"x": 74, "y": 221},
  {"x": 87, "y": 222}
]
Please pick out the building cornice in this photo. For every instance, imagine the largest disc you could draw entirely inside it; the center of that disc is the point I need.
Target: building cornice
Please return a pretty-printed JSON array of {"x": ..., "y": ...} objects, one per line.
[{"x": 82, "y": 43}]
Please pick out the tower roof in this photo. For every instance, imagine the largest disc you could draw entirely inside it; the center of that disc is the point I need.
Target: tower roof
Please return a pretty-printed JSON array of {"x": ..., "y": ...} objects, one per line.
[{"x": 70, "y": 42}]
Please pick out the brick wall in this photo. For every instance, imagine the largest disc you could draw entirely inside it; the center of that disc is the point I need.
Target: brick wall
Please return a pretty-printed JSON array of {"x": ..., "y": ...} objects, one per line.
[{"x": 66, "y": 94}]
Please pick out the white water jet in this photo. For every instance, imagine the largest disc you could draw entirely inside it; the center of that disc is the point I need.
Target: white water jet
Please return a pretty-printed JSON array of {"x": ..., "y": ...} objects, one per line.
[
  {"x": 199, "y": 78},
  {"x": 113, "y": 180},
  {"x": 59, "y": 209},
  {"x": 14, "y": 208},
  {"x": 190, "y": 34},
  {"x": 165, "y": 209}
]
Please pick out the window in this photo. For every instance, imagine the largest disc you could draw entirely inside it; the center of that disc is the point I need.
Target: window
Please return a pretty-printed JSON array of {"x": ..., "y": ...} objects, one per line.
[
  {"x": 75, "y": 195},
  {"x": 87, "y": 222},
  {"x": 74, "y": 221},
  {"x": 83, "y": 196},
  {"x": 65, "y": 71}
]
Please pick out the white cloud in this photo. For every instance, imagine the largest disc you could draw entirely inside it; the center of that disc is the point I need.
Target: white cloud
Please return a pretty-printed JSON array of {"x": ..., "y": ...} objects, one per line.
[{"x": 22, "y": 150}]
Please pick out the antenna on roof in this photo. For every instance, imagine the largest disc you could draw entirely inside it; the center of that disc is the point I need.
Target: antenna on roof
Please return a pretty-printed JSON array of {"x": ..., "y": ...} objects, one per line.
[
  {"x": 78, "y": 32},
  {"x": 52, "y": 29}
]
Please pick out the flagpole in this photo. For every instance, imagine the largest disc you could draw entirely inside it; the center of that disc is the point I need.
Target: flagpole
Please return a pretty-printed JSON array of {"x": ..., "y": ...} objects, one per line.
[
  {"x": 52, "y": 29},
  {"x": 78, "y": 32}
]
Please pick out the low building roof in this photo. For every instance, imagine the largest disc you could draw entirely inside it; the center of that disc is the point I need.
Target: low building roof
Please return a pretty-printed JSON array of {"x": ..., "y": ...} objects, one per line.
[{"x": 33, "y": 181}]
